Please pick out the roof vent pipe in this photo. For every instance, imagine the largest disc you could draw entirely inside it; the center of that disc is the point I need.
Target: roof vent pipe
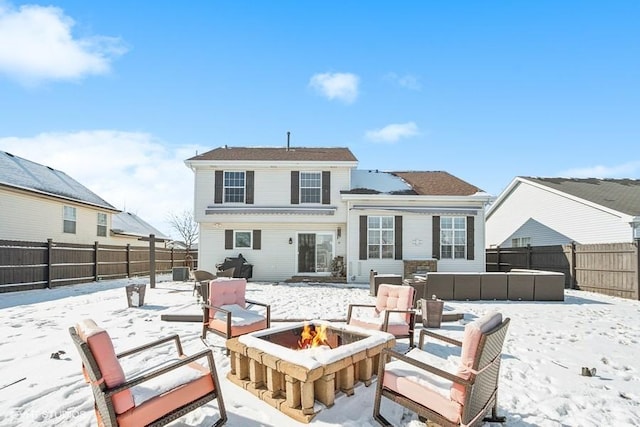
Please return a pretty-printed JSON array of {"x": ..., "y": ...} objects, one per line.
[{"x": 288, "y": 139}]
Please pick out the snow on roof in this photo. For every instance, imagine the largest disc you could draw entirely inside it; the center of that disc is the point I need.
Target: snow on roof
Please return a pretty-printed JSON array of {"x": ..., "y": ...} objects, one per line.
[
  {"x": 384, "y": 182},
  {"x": 131, "y": 224},
  {"x": 27, "y": 175}
]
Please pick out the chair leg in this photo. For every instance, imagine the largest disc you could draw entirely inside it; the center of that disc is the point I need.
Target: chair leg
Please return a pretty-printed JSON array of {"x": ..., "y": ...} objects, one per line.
[{"x": 495, "y": 418}]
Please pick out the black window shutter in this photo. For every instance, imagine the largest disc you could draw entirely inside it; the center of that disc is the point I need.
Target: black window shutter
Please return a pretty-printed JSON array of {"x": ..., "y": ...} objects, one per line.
[
  {"x": 326, "y": 187},
  {"x": 398, "y": 237},
  {"x": 295, "y": 187},
  {"x": 257, "y": 239},
  {"x": 435, "y": 249},
  {"x": 218, "y": 186},
  {"x": 228, "y": 239},
  {"x": 470, "y": 237},
  {"x": 249, "y": 187},
  {"x": 363, "y": 237}
]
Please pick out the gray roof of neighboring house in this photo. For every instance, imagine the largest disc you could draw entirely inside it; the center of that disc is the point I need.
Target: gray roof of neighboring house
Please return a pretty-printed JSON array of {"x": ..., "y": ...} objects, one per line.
[
  {"x": 24, "y": 174},
  {"x": 130, "y": 224},
  {"x": 622, "y": 195},
  {"x": 309, "y": 154}
]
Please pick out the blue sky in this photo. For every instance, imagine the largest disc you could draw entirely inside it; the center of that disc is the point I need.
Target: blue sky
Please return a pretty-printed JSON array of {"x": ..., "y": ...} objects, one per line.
[{"x": 117, "y": 94}]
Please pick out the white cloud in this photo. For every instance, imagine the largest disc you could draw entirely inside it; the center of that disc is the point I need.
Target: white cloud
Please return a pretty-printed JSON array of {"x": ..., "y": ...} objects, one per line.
[
  {"x": 132, "y": 171},
  {"x": 408, "y": 81},
  {"x": 36, "y": 45},
  {"x": 341, "y": 86},
  {"x": 392, "y": 132},
  {"x": 624, "y": 170}
]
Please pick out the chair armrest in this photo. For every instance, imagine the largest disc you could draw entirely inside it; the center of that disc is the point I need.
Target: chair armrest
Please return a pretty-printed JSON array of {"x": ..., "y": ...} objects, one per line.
[
  {"x": 387, "y": 354},
  {"x": 163, "y": 370},
  {"x": 357, "y": 305},
  {"x": 267, "y": 306},
  {"x": 152, "y": 344},
  {"x": 444, "y": 338},
  {"x": 412, "y": 318}
]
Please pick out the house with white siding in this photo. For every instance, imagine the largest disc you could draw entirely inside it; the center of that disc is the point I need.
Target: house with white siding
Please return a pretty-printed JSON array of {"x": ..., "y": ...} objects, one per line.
[
  {"x": 38, "y": 203},
  {"x": 291, "y": 211},
  {"x": 557, "y": 211}
]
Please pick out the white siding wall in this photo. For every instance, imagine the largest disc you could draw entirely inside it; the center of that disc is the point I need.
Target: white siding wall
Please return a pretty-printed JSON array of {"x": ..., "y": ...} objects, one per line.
[
  {"x": 577, "y": 221},
  {"x": 272, "y": 187},
  {"x": 275, "y": 261},
  {"x": 32, "y": 218},
  {"x": 417, "y": 240}
]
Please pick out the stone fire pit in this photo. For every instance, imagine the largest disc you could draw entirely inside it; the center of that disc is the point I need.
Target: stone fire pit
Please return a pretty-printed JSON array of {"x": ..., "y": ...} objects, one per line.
[{"x": 269, "y": 364}]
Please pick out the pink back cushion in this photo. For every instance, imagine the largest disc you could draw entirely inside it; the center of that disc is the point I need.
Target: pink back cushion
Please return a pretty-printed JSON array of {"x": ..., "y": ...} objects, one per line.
[
  {"x": 394, "y": 297},
  {"x": 223, "y": 291},
  {"x": 470, "y": 341},
  {"x": 102, "y": 349}
]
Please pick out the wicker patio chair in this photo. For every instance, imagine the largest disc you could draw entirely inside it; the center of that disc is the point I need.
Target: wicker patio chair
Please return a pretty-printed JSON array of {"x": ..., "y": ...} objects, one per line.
[
  {"x": 200, "y": 276},
  {"x": 228, "y": 313},
  {"x": 460, "y": 398},
  {"x": 393, "y": 312},
  {"x": 158, "y": 396}
]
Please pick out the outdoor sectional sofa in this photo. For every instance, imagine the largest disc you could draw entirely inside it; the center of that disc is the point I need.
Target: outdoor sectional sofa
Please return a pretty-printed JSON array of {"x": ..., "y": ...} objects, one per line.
[{"x": 515, "y": 285}]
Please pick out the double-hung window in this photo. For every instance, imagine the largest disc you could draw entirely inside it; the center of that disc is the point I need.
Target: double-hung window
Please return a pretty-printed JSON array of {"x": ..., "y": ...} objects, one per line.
[
  {"x": 69, "y": 220},
  {"x": 310, "y": 187},
  {"x": 520, "y": 242},
  {"x": 102, "y": 224},
  {"x": 380, "y": 237},
  {"x": 453, "y": 237},
  {"x": 234, "y": 187}
]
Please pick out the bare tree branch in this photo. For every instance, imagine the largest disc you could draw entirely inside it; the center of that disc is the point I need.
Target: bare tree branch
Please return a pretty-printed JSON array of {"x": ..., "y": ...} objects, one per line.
[{"x": 186, "y": 226}]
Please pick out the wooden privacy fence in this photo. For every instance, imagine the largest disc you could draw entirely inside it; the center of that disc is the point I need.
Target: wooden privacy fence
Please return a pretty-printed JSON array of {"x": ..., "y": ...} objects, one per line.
[
  {"x": 38, "y": 265},
  {"x": 606, "y": 268}
]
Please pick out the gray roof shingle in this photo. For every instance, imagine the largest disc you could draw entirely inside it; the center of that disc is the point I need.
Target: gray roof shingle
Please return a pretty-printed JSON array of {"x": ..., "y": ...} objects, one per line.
[
  {"x": 27, "y": 175},
  {"x": 622, "y": 195}
]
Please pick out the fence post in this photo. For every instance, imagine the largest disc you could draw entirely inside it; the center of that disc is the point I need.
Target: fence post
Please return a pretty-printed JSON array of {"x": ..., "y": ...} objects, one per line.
[
  {"x": 152, "y": 260},
  {"x": 172, "y": 257},
  {"x": 572, "y": 272},
  {"x": 95, "y": 261},
  {"x": 498, "y": 258},
  {"x": 637, "y": 242},
  {"x": 529, "y": 252},
  {"x": 49, "y": 262},
  {"x": 128, "y": 260}
]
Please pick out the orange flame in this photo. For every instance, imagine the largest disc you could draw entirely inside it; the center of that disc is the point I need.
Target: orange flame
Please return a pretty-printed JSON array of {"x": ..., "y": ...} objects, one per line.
[{"x": 315, "y": 337}]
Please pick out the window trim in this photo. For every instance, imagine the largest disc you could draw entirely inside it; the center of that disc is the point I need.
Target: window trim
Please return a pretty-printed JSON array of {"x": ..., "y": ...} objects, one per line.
[
  {"x": 105, "y": 225},
  {"x": 67, "y": 220},
  {"x": 226, "y": 187},
  {"x": 319, "y": 188},
  {"x": 382, "y": 245},
  {"x": 453, "y": 244}
]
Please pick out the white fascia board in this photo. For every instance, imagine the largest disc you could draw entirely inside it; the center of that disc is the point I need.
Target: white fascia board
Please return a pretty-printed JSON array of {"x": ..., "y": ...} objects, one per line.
[
  {"x": 291, "y": 165},
  {"x": 476, "y": 199},
  {"x": 502, "y": 196}
]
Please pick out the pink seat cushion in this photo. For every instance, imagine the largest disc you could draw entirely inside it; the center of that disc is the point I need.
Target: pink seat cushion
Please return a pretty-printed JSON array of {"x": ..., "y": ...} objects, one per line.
[
  {"x": 102, "y": 349},
  {"x": 158, "y": 406},
  {"x": 224, "y": 291},
  {"x": 391, "y": 297},
  {"x": 422, "y": 387},
  {"x": 471, "y": 339}
]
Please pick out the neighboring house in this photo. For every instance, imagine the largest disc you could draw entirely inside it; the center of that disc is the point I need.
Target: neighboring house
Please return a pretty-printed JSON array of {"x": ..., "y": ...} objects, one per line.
[
  {"x": 129, "y": 228},
  {"x": 291, "y": 211},
  {"x": 557, "y": 211},
  {"x": 39, "y": 203}
]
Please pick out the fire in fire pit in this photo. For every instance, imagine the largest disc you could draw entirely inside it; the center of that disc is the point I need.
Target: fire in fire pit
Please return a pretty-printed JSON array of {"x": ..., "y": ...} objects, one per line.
[{"x": 313, "y": 336}]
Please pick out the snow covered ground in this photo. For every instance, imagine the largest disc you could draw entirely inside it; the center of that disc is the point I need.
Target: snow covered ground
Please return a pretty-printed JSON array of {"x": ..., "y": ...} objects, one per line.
[{"x": 547, "y": 345}]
